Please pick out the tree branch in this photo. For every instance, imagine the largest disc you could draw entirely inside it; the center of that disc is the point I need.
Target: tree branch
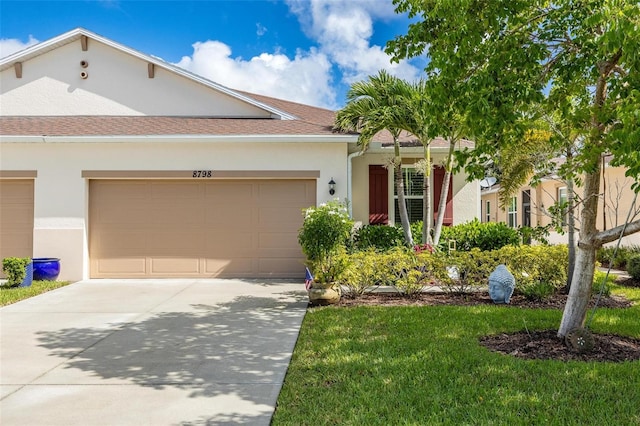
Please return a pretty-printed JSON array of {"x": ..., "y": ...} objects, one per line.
[{"x": 613, "y": 234}]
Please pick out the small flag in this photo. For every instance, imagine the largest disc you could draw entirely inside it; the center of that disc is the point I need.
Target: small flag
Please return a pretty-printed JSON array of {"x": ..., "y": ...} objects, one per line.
[{"x": 308, "y": 279}]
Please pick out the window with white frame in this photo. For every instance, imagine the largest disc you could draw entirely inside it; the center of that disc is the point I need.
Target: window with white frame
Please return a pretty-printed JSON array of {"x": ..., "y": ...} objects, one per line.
[
  {"x": 413, "y": 193},
  {"x": 487, "y": 211},
  {"x": 512, "y": 213},
  {"x": 563, "y": 205}
]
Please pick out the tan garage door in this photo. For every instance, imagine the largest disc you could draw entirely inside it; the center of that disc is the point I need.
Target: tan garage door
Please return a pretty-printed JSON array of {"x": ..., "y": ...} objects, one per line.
[
  {"x": 16, "y": 218},
  {"x": 179, "y": 228}
]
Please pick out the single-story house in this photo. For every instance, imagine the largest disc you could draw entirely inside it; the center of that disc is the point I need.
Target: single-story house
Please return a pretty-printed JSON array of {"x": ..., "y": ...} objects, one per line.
[
  {"x": 125, "y": 166},
  {"x": 530, "y": 205}
]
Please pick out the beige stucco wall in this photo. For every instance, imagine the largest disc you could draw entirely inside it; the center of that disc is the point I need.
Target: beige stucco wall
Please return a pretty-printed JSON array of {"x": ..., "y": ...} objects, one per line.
[
  {"x": 615, "y": 201},
  {"x": 466, "y": 196},
  {"x": 51, "y": 85},
  {"x": 61, "y": 193}
]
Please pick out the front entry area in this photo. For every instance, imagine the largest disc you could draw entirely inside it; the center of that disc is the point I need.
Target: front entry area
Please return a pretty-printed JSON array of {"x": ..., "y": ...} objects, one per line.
[{"x": 243, "y": 228}]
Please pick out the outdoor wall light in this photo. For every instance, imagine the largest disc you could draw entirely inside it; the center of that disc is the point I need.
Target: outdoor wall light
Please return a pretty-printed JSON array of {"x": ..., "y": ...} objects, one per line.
[{"x": 332, "y": 187}]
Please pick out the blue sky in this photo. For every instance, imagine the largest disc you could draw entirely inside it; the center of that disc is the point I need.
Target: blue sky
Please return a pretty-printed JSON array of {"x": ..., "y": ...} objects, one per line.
[{"x": 307, "y": 51}]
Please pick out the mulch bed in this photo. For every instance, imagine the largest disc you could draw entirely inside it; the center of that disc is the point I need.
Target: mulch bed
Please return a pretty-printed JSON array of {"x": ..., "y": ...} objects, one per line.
[{"x": 530, "y": 345}]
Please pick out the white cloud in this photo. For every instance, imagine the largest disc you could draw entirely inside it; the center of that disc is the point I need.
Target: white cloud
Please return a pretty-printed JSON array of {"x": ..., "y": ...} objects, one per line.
[
  {"x": 342, "y": 30},
  {"x": 306, "y": 78},
  {"x": 260, "y": 29},
  {"x": 12, "y": 45}
]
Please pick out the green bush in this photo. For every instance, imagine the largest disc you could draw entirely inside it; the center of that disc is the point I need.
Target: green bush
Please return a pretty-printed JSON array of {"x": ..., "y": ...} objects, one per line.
[
  {"x": 539, "y": 271},
  {"x": 399, "y": 267},
  {"x": 361, "y": 272},
  {"x": 15, "y": 269},
  {"x": 483, "y": 236},
  {"x": 605, "y": 256},
  {"x": 380, "y": 237},
  {"x": 325, "y": 229},
  {"x": 468, "y": 269},
  {"x": 633, "y": 266},
  {"x": 416, "y": 232},
  {"x": 330, "y": 268}
]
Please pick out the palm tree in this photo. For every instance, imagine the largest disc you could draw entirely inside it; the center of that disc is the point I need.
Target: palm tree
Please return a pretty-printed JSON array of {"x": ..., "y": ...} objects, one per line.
[
  {"x": 417, "y": 123},
  {"x": 376, "y": 104}
]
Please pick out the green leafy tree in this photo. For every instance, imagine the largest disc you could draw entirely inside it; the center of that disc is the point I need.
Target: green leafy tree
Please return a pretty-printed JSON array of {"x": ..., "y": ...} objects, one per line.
[
  {"x": 379, "y": 103},
  {"x": 577, "y": 58}
]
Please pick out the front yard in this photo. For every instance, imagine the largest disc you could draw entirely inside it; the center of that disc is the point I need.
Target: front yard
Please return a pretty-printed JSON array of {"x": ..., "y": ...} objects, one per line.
[
  {"x": 16, "y": 294},
  {"x": 418, "y": 365}
]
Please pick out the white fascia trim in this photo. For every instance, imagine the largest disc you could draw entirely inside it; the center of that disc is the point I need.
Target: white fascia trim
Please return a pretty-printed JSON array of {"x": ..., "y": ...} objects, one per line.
[
  {"x": 178, "y": 139},
  {"x": 410, "y": 150},
  {"x": 70, "y": 36}
]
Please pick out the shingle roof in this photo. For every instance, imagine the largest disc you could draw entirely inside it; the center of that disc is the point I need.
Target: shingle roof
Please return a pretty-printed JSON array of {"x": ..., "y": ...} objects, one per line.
[{"x": 154, "y": 125}]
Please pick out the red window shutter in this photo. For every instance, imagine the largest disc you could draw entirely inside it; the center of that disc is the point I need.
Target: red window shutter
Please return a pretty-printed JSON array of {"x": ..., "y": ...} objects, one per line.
[
  {"x": 378, "y": 195},
  {"x": 438, "y": 177}
]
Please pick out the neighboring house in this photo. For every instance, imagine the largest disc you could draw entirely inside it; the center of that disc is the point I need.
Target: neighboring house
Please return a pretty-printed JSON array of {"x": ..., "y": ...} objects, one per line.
[
  {"x": 125, "y": 166},
  {"x": 529, "y": 207}
]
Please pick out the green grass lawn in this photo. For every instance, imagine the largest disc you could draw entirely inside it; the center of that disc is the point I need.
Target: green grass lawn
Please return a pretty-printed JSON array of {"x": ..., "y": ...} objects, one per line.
[
  {"x": 424, "y": 365},
  {"x": 15, "y": 294}
]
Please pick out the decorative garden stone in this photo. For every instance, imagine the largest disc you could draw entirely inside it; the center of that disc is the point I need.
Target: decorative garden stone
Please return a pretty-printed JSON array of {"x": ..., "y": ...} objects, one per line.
[{"x": 501, "y": 285}]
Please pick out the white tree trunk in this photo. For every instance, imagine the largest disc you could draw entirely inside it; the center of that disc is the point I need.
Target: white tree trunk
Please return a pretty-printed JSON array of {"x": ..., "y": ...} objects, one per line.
[
  {"x": 442, "y": 203},
  {"x": 427, "y": 215},
  {"x": 402, "y": 204},
  {"x": 575, "y": 311}
]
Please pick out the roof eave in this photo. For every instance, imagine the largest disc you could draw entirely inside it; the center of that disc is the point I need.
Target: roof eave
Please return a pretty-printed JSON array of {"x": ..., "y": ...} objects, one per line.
[{"x": 176, "y": 139}]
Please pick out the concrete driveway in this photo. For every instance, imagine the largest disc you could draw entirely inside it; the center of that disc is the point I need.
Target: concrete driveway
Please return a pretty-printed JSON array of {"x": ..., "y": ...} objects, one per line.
[{"x": 149, "y": 352}]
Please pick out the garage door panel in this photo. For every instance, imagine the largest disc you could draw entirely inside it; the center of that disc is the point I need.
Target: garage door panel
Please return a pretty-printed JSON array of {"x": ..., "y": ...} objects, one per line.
[
  {"x": 16, "y": 215},
  {"x": 271, "y": 192},
  {"x": 111, "y": 240},
  {"x": 213, "y": 228},
  {"x": 280, "y": 267},
  {"x": 282, "y": 218},
  {"x": 176, "y": 266},
  {"x": 135, "y": 214},
  {"x": 119, "y": 190},
  {"x": 176, "y": 215},
  {"x": 278, "y": 240},
  {"x": 120, "y": 266},
  {"x": 223, "y": 216},
  {"x": 171, "y": 191},
  {"x": 229, "y": 192},
  {"x": 176, "y": 241},
  {"x": 16, "y": 218}
]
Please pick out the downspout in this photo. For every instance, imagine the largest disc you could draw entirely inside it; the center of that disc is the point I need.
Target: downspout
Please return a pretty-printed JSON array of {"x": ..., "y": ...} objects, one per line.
[{"x": 350, "y": 158}]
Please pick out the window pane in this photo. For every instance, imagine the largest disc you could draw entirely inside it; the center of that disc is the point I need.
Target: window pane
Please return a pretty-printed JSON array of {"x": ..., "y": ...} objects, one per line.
[
  {"x": 413, "y": 182},
  {"x": 414, "y": 210}
]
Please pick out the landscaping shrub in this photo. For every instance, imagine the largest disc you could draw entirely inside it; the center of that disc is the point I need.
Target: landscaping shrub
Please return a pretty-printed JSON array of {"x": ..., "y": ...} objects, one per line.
[
  {"x": 361, "y": 272},
  {"x": 540, "y": 271},
  {"x": 483, "y": 236},
  {"x": 604, "y": 255},
  {"x": 325, "y": 229},
  {"x": 466, "y": 270},
  {"x": 15, "y": 269},
  {"x": 380, "y": 237},
  {"x": 633, "y": 266}
]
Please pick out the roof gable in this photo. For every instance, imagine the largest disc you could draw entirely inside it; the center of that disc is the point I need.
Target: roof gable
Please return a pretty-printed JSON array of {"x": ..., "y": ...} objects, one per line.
[{"x": 82, "y": 73}]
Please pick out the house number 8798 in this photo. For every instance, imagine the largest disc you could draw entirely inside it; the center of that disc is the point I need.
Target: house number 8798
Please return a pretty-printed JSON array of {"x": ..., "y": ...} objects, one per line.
[{"x": 202, "y": 173}]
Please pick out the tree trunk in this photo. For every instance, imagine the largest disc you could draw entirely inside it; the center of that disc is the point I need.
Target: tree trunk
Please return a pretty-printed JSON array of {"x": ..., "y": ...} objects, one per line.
[
  {"x": 571, "y": 234},
  {"x": 402, "y": 204},
  {"x": 427, "y": 214},
  {"x": 442, "y": 203},
  {"x": 575, "y": 310}
]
